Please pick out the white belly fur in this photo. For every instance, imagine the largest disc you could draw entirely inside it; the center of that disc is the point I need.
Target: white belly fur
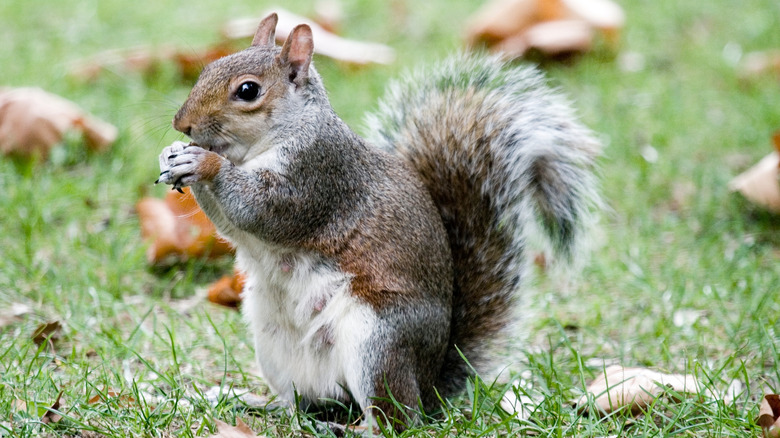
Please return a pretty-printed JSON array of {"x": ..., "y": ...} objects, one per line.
[{"x": 307, "y": 327}]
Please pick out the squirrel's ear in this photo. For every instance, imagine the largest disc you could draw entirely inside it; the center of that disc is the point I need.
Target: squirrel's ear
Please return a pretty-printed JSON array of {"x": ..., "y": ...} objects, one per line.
[
  {"x": 297, "y": 52},
  {"x": 264, "y": 36}
]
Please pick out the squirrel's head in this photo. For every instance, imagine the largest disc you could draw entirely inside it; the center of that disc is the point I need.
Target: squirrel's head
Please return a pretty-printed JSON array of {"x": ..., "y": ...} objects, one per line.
[{"x": 231, "y": 108}]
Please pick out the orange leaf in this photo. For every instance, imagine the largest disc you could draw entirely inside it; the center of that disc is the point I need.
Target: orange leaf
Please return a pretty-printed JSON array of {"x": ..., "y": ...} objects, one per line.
[
  {"x": 125, "y": 400},
  {"x": 32, "y": 121},
  {"x": 177, "y": 227},
  {"x": 227, "y": 290},
  {"x": 190, "y": 62},
  {"x": 553, "y": 27}
]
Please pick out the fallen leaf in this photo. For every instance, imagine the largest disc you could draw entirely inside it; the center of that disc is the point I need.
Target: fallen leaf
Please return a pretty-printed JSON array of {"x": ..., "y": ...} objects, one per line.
[
  {"x": 47, "y": 331},
  {"x": 760, "y": 184},
  {"x": 227, "y": 290},
  {"x": 32, "y": 121},
  {"x": 769, "y": 411},
  {"x": 552, "y": 27},
  {"x": 190, "y": 63},
  {"x": 633, "y": 388},
  {"x": 125, "y": 400},
  {"x": 604, "y": 15},
  {"x": 147, "y": 60},
  {"x": 758, "y": 63},
  {"x": 517, "y": 401},
  {"x": 176, "y": 227},
  {"x": 51, "y": 416},
  {"x": 776, "y": 142},
  {"x": 240, "y": 430},
  {"x": 326, "y": 43},
  {"x": 550, "y": 37},
  {"x": 329, "y": 14}
]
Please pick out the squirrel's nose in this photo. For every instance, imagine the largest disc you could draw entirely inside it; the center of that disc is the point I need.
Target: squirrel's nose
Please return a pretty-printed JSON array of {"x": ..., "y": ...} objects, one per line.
[{"x": 183, "y": 127}]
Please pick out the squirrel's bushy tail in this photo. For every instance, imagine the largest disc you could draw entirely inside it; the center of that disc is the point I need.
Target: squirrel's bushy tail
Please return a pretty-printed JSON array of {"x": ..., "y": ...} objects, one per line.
[{"x": 502, "y": 155}]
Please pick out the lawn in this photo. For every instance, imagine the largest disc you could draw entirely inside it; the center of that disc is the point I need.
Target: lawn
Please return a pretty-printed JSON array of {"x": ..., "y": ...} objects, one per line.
[{"x": 683, "y": 276}]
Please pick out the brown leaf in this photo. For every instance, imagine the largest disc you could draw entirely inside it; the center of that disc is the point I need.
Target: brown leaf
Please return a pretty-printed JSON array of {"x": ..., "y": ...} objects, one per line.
[
  {"x": 558, "y": 37},
  {"x": 240, "y": 430},
  {"x": 48, "y": 330},
  {"x": 177, "y": 227},
  {"x": 633, "y": 388},
  {"x": 758, "y": 63},
  {"x": 326, "y": 43},
  {"x": 32, "y": 121},
  {"x": 776, "y": 141},
  {"x": 125, "y": 400},
  {"x": 190, "y": 63},
  {"x": 329, "y": 14},
  {"x": 769, "y": 411},
  {"x": 227, "y": 290},
  {"x": 147, "y": 60},
  {"x": 50, "y": 416},
  {"x": 552, "y": 27},
  {"x": 759, "y": 184}
]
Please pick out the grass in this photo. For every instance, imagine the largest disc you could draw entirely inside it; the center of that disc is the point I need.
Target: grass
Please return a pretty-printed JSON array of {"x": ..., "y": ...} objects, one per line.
[{"x": 683, "y": 278}]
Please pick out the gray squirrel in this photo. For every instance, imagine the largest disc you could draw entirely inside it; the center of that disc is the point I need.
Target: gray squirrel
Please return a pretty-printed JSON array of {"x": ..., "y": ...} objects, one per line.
[{"x": 375, "y": 266}]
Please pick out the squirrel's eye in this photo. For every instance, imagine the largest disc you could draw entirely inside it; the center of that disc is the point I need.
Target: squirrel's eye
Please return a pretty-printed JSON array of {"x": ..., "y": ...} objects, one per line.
[{"x": 248, "y": 91}]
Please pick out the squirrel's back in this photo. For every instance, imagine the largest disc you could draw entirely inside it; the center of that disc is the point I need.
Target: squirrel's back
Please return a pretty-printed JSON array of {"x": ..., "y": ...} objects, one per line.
[{"x": 502, "y": 154}]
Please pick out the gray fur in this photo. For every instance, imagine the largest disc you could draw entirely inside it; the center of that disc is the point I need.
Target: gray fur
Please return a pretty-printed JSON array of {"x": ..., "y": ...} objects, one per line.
[
  {"x": 499, "y": 151},
  {"x": 429, "y": 228}
]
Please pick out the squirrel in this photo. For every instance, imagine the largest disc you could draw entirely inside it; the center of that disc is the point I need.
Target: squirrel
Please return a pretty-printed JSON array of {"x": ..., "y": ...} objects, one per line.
[{"x": 375, "y": 266}]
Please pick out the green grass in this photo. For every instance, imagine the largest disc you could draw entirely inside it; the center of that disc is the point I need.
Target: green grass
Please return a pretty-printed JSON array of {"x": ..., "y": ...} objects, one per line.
[{"x": 672, "y": 242}]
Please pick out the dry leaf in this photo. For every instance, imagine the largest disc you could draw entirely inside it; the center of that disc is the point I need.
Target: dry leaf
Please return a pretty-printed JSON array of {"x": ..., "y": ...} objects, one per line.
[
  {"x": 240, "y": 430},
  {"x": 125, "y": 400},
  {"x": 175, "y": 226},
  {"x": 48, "y": 330},
  {"x": 329, "y": 14},
  {"x": 32, "y": 121},
  {"x": 776, "y": 143},
  {"x": 604, "y": 15},
  {"x": 325, "y": 43},
  {"x": 549, "y": 26},
  {"x": 517, "y": 402},
  {"x": 549, "y": 37},
  {"x": 769, "y": 416},
  {"x": 758, "y": 63},
  {"x": 760, "y": 184},
  {"x": 227, "y": 290},
  {"x": 190, "y": 63},
  {"x": 633, "y": 388},
  {"x": 51, "y": 416},
  {"x": 147, "y": 60}
]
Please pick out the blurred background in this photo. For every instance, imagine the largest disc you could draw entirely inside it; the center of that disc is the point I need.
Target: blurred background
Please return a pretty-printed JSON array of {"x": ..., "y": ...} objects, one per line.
[{"x": 684, "y": 273}]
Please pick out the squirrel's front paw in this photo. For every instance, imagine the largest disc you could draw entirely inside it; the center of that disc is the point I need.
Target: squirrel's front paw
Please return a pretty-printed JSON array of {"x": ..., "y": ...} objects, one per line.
[{"x": 182, "y": 165}]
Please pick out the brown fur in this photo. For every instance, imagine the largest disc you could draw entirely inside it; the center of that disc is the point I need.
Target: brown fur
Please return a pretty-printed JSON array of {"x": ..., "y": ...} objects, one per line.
[{"x": 209, "y": 167}]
